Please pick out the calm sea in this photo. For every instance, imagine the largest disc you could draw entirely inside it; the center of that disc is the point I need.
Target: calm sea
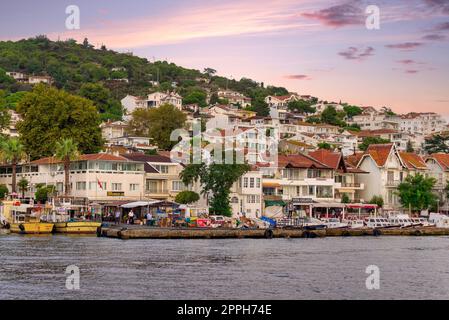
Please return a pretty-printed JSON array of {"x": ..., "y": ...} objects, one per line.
[{"x": 331, "y": 268}]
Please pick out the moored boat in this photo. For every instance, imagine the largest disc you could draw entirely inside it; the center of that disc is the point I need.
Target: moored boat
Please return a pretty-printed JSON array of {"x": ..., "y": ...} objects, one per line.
[
  {"x": 24, "y": 221},
  {"x": 77, "y": 227}
]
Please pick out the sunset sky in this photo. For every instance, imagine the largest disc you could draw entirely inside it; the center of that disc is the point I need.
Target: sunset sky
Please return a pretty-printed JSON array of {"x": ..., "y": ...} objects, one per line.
[{"x": 315, "y": 47}]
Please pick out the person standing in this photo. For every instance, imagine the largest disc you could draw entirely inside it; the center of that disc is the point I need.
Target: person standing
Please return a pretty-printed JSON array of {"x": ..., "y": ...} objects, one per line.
[
  {"x": 131, "y": 217},
  {"x": 117, "y": 216}
]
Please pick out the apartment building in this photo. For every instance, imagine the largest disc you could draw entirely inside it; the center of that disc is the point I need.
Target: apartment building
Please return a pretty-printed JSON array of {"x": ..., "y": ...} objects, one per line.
[
  {"x": 281, "y": 102},
  {"x": 97, "y": 177},
  {"x": 426, "y": 123},
  {"x": 235, "y": 98},
  {"x": 438, "y": 164},
  {"x": 387, "y": 168},
  {"x": 246, "y": 195}
]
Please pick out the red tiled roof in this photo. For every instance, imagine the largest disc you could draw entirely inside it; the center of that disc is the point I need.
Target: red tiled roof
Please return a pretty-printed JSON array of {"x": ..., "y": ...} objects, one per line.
[
  {"x": 329, "y": 158},
  {"x": 300, "y": 161},
  {"x": 412, "y": 160},
  {"x": 442, "y": 159},
  {"x": 84, "y": 157},
  {"x": 379, "y": 153},
  {"x": 354, "y": 159}
]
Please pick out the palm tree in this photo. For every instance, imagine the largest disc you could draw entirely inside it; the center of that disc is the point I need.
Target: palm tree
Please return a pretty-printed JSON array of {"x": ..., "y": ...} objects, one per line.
[
  {"x": 66, "y": 151},
  {"x": 23, "y": 186},
  {"x": 12, "y": 151}
]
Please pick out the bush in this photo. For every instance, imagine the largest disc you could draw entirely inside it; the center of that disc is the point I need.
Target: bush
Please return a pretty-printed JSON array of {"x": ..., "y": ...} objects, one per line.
[
  {"x": 3, "y": 191},
  {"x": 186, "y": 197}
]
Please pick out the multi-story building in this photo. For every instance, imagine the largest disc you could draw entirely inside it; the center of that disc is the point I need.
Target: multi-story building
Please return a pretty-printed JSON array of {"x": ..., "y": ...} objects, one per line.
[
  {"x": 156, "y": 99},
  {"x": 246, "y": 195},
  {"x": 387, "y": 168},
  {"x": 97, "y": 177},
  {"x": 346, "y": 176},
  {"x": 235, "y": 98},
  {"x": 438, "y": 164},
  {"x": 281, "y": 102},
  {"x": 426, "y": 123},
  {"x": 113, "y": 129}
]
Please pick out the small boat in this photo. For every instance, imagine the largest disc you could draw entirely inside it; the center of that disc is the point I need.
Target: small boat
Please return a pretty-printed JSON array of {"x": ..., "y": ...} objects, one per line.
[
  {"x": 439, "y": 220},
  {"x": 355, "y": 223},
  {"x": 77, "y": 227},
  {"x": 334, "y": 223},
  {"x": 25, "y": 222},
  {"x": 379, "y": 222},
  {"x": 403, "y": 220}
]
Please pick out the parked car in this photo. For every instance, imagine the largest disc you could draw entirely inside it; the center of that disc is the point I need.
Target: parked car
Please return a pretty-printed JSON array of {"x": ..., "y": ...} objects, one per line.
[{"x": 217, "y": 221}]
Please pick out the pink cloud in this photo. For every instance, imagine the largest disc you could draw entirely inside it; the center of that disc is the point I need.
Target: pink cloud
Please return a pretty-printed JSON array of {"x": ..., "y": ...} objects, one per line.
[
  {"x": 297, "y": 77},
  {"x": 339, "y": 15},
  {"x": 353, "y": 53},
  {"x": 405, "y": 45}
]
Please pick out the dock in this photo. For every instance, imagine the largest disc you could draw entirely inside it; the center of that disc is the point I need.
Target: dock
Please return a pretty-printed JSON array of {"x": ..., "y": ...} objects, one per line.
[{"x": 142, "y": 232}]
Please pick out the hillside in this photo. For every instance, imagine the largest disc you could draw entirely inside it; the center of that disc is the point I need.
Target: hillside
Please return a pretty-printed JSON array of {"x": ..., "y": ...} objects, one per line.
[{"x": 106, "y": 76}]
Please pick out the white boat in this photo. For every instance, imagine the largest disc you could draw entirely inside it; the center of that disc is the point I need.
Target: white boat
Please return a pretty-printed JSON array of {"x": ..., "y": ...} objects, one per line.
[
  {"x": 333, "y": 223},
  {"x": 379, "y": 222},
  {"x": 404, "y": 220},
  {"x": 355, "y": 223},
  {"x": 422, "y": 222},
  {"x": 439, "y": 220}
]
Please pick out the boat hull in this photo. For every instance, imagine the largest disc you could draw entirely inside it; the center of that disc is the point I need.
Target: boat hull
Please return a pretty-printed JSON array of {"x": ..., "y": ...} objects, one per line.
[
  {"x": 82, "y": 227},
  {"x": 32, "y": 228}
]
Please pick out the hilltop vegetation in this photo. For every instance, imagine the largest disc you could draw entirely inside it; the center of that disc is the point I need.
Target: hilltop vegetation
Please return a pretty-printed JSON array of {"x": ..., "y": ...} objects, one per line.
[{"x": 98, "y": 74}]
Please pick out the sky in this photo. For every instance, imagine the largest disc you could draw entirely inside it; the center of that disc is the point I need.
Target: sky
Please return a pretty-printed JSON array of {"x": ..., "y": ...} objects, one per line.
[{"x": 313, "y": 47}]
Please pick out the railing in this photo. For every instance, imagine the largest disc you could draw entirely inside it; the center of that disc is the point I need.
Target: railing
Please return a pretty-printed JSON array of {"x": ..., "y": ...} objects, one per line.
[
  {"x": 157, "y": 191},
  {"x": 350, "y": 185},
  {"x": 393, "y": 183}
]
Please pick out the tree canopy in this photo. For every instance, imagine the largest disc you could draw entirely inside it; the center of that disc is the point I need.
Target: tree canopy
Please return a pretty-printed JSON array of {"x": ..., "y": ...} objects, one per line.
[
  {"x": 157, "y": 124},
  {"x": 187, "y": 197},
  {"x": 49, "y": 114},
  {"x": 371, "y": 140},
  {"x": 436, "y": 144},
  {"x": 302, "y": 106},
  {"x": 416, "y": 192}
]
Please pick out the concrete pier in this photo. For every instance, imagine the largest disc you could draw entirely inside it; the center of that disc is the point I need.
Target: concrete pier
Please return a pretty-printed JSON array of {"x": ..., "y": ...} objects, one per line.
[{"x": 140, "y": 232}]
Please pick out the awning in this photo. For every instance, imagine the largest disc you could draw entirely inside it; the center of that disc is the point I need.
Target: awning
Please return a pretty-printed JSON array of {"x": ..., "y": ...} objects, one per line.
[
  {"x": 270, "y": 203},
  {"x": 154, "y": 203},
  {"x": 270, "y": 185}
]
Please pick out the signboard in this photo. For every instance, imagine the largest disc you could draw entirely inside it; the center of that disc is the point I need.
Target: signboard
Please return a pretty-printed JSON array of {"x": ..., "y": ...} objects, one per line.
[
  {"x": 302, "y": 200},
  {"x": 116, "y": 193}
]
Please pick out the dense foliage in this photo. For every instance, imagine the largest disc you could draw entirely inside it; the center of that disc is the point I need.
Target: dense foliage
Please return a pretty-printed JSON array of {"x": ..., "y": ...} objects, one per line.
[
  {"x": 50, "y": 114},
  {"x": 371, "y": 140},
  {"x": 187, "y": 197},
  {"x": 416, "y": 192}
]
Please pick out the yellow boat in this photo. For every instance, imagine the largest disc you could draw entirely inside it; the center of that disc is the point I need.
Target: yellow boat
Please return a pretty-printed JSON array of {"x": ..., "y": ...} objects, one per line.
[
  {"x": 77, "y": 227},
  {"x": 24, "y": 222},
  {"x": 32, "y": 227}
]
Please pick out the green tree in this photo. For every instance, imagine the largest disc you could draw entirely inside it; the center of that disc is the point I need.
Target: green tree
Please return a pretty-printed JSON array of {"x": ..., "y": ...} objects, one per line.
[
  {"x": 345, "y": 198},
  {"x": 66, "y": 151},
  {"x": 437, "y": 143},
  {"x": 196, "y": 96},
  {"x": 377, "y": 200},
  {"x": 23, "y": 186},
  {"x": 12, "y": 151},
  {"x": 331, "y": 116},
  {"x": 302, "y": 106},
  {"x": 371, "y": 140},
  {"x": 388, "y": 111},
  {"x": 187, "y": 197},
  {"x": 410, "y": 146},
  {"x": 352, "y": 111},
  {"x": 216, "y": 180},
  {"x": 5, "y": 117},
  {"x": 259, "y": 106},
  {"x": 324, "y": 145},
  {"x": 43, "y": 192},
  {"x": 50, "y": 115},
  {"x": 416, "y": 192},
  {"x": 209, "y": 72},
  {"x": 157, "y": 123},
  {"x": 3, "y": 191},
  {"x": 108, "y": 107}
]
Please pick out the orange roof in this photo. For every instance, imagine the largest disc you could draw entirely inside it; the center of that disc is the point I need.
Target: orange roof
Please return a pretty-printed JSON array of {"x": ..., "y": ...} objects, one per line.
[
  {"x": 379, "y": 153},
  {"x": 300, "y": 161},
  {"x": 354, "y": 159},
  {"x": 84, "y": 157},
  {"x": 442, "y": 159},
  {"x": 412, "y": 160},
  {"x": 329, "y": 158}
]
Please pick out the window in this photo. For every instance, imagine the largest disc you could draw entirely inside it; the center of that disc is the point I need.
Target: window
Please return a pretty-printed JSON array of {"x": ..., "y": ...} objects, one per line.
[
  {"x": 313, "y": 173},
  {"x": 81, "y": 185},
  {"x": 258, "y": 183},
  {"x": 178, "y": 186},
  {"x": 161, "y": 168},
  {"x": 245, "y": 182},
  {"x": 116, "y": 187},
  {"x": 251, "y": 182},
  {"x": 133, "y": 187}
]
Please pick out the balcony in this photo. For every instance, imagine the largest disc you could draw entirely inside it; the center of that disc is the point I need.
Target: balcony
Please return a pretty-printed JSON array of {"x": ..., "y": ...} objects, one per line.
[
  {"x": 344, "y": 185},
  {"x": 393, "y": 183}
]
